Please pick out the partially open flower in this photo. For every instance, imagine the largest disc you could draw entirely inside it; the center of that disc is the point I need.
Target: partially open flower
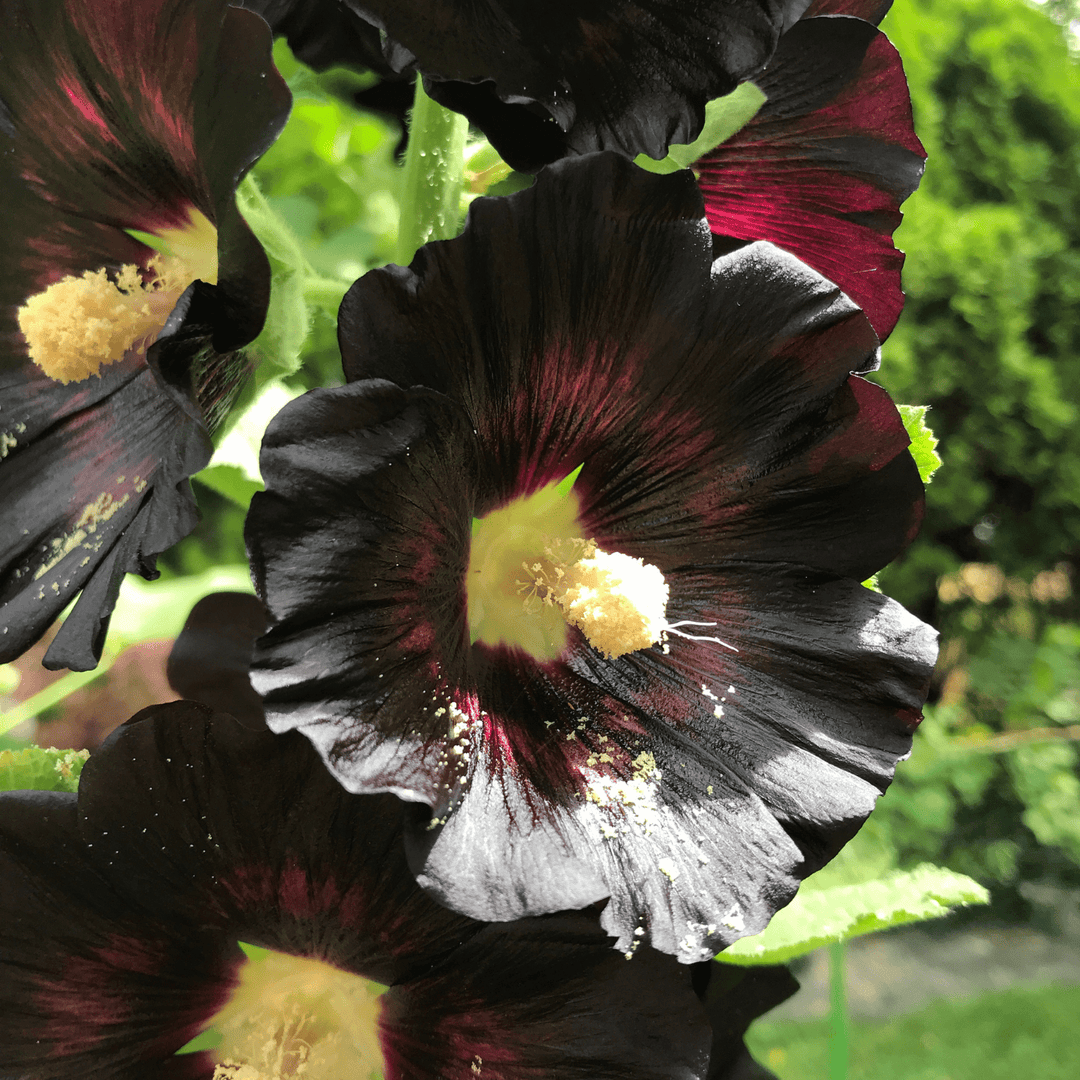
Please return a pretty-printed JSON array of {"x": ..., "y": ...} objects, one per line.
[
  {"x": 583, "y": 581},
  {"x": 127, "y": 283},
  {"x": 822, "y": 168},
  {"x": 123, "y": 911}
]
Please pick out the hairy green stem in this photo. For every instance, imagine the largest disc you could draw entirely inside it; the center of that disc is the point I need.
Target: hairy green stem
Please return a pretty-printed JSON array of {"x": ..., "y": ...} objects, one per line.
[
  {"x": 434, "y": 172},
  {"x": 273, "y": 233}
]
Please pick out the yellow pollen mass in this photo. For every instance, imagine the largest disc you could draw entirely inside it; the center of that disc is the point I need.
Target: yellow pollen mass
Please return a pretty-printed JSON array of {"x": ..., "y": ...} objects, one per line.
[
  {"x": 616, "y": 601},
  {"x": 292, "y": 1016},
  {"x": 84, "y": 322},
  {"x": 531, "y": 573}
]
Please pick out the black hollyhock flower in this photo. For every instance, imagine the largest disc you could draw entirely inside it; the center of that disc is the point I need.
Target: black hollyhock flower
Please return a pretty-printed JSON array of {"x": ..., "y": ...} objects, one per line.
[
  {"x": 123, "y": 910},
  {"x": 124, "y": 127},
  {"x": 547, "y": 80},
  {"x": 822, "y": 168},
  {"x": 666, "y": 684}
]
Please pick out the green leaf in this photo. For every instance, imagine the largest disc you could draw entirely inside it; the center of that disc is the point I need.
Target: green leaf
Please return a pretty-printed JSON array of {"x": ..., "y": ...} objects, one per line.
[
  {"x": 820, "y": 916},
  {"x": 511, "y": 184},
  {"x": 230, "y": 481},
  {"x": 37, "y": 769},
  {"x": 288, "y": 320},
  {"x": 723, "y": 118},
  {"x": 923, "y": 443}
]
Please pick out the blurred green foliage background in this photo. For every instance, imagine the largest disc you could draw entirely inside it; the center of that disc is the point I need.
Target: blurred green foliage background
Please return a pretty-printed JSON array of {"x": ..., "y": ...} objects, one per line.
[{"x": 990, "y": 339}]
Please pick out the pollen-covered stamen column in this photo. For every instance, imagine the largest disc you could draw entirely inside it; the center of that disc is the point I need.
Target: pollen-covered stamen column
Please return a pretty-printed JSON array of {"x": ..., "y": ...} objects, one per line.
[{"x": 82, "y": 323}]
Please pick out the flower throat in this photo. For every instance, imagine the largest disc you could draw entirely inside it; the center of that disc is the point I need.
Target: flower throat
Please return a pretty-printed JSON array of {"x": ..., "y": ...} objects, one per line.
[{"x": 531, "y": 574}]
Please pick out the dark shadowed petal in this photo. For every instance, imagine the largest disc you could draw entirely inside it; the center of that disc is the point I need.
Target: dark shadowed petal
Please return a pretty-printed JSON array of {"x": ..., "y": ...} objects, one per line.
[
  {"x": 118, "y": 118},
  {"x": 323, "y": 33},
  {"x": 734, "y": 998},
  {"x": 729, "y": 776},
  {"x": 179, "y": 804},
  {"x": 212, "y": 656},
  {"x": 543, "y": 81},
  {"x": 192, "y": 832},
  {"x": 823, "y": 167},
  {"x": 722, "y": 439},
  {"x": 607, "y": 1022},
  {"x": 79, "y": 500},
  {"x": 88, "y": 987}
]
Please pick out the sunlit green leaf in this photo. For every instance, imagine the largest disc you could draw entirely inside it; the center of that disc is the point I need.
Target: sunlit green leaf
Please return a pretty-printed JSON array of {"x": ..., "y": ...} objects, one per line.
[
  {"x": 923, "y": 443},
  {"x": 234, "y": 469},
  {"x": 821, "y": 915},
  {"x": 230, "y": 481}
]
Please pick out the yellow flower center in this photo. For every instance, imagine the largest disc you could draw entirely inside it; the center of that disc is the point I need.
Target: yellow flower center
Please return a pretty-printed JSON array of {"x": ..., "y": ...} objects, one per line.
[
  {"x": 295, "y": 1017},
  {"x": 531, "y": 573},
  {"x": 82, "y": 323}
]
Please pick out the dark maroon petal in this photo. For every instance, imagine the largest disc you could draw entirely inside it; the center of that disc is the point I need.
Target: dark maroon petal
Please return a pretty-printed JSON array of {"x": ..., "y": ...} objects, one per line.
[
  {"x": 93, "y": 496},
  {"x": 547, "y": 997},
  {"x": 762, "y": 764},
  {"x": 722, "y": 438},
  {"x": 122, "y": 915},
  {"x": 822, "y": 169},
  {"x": 119, "y": 117},
  {"x": 89, "y": 987},
  {"x": 356, "y": 450},
  {"x": 210, "y": 660},
  {"x": 252, "y": 836},
  {"x": 759, "y": 398},
  {"x": 118, "y": 121},
  {"x": 626, "y": 75},
  {"x": 852, "y": 488}
]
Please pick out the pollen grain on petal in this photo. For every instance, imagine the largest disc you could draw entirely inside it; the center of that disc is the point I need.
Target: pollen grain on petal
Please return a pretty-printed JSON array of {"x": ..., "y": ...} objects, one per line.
[{"x": 94, "y": 513}]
